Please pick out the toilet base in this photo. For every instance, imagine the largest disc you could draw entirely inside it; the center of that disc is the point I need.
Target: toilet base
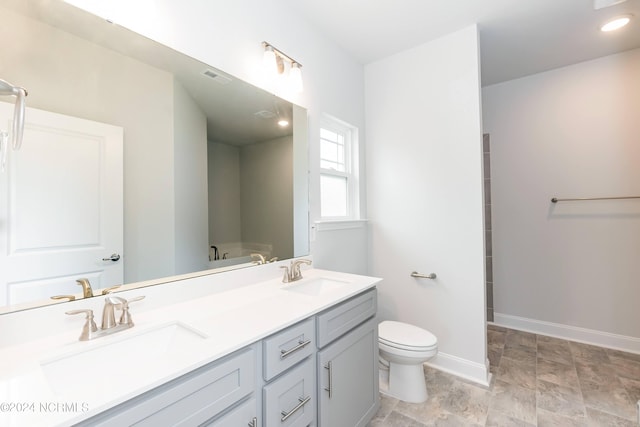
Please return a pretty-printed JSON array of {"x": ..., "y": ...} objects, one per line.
[{"x": 404, "y": 382}]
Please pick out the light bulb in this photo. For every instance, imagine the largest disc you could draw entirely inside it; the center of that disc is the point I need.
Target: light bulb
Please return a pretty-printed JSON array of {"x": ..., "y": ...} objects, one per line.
[
  {"x": 283, "y": 123},
  {"x": 616, "y": 23},
  {"x": 295, "y": 77},
  {"x": 269, "y": 60}
]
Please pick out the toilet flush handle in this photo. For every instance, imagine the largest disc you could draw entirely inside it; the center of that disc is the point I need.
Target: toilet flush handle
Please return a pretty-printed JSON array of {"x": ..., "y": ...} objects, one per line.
[{"x": 423, "y": 276}]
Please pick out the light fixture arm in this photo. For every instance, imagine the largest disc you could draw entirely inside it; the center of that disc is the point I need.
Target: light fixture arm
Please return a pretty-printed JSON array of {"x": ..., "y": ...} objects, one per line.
[
  {"x": 281, "y": 54},
  {"x": 7, "y": 89}
]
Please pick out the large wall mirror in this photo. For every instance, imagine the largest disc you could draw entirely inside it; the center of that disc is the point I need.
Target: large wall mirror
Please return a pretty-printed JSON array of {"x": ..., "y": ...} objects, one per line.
[{"x": 206, "y": 175}]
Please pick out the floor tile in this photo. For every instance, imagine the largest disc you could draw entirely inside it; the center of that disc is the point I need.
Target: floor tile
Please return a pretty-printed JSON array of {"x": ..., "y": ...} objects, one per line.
[
  {"x": 514, "y": 401},
  {"x": 555, "y": 350},
  {"x": 625, "y": 367},
  {"x": 601, "y": 419},
  {"x": 468, "y": 401},
  {"x": 495, "y": 337},
  {"x": 537, "y": 381},
  {"x": 611, "y": 398},
  {"x": 387, "y": 404},
  {"x": 520, "y": 353},
  {"x": 561, "y": 400},
  {"x": 396, "y": 419},
  {"x": 552, "y": 419},
  {"x": 519, "y": 338},
  {"x": 557, "y": 373},
  {"x": 632, "y": 387},
  {"x": 498, "y": 419},
  {"x": 517, "y": 372},
  {"x": 589, "y": 353}
]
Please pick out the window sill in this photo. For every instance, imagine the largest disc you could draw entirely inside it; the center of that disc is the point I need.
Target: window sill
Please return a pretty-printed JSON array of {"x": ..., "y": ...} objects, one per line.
[{"x": 341, "y": 224}]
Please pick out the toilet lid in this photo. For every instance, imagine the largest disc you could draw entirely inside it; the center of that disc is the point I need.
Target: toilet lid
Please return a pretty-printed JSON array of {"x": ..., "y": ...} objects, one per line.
[{"x": 405, "y": 336}]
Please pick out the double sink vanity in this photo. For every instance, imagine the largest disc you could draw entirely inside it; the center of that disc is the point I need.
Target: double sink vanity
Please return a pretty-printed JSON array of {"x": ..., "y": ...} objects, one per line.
[{"x": 240, "y": 348}]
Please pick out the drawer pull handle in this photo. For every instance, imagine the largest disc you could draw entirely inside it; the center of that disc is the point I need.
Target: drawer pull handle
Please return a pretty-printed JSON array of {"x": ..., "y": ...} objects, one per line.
[
  {"x": 330, "y": 387},
  {"x": 303, "y": 401},
  {"x": 254, "y": 422},
  {"x": 301, "y": 344}
]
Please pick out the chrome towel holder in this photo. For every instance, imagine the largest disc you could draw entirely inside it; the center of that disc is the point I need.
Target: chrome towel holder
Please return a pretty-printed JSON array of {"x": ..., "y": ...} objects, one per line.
[{"x": 556, "y": 200}]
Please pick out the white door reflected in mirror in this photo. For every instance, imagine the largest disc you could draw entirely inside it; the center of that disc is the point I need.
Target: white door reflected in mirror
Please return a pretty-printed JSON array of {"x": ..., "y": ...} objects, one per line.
[{"x": 61, "y": 207}]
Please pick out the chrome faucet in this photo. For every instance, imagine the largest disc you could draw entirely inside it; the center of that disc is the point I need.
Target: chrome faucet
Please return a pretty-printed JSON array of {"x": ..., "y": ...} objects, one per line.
[
  {"x": 293, "y": 273},
  {"x": 109, "y": 326},
  {"x": 259, "y": 259},
  {"x": 87, "y": 292}
]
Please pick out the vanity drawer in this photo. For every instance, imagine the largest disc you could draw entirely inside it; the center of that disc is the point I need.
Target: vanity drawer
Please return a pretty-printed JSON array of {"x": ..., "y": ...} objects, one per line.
[
  {"x": 290, "y": 401},
  {"x": 189, "y": 400},
  {"x": 284, "y": 349},
  {"x": 245, "y": 414},
  {"x": 339, "y": 320}
]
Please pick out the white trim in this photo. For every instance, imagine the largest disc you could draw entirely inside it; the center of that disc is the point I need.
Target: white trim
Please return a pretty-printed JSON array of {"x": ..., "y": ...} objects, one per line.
[
  {"x": 340, "y": 224},
  {"x": 568, "y": 332},
  {"x": 472, "y": 371}
]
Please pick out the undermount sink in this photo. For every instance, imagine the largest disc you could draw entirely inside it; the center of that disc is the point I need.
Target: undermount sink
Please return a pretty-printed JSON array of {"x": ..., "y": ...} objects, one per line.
[
  {"x": 315, "y": 286},
  {"x": 114, "y": 364}
]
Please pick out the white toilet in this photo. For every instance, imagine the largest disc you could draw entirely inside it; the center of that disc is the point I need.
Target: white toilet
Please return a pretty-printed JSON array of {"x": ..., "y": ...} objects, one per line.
[{"x": 405, "y": 347}]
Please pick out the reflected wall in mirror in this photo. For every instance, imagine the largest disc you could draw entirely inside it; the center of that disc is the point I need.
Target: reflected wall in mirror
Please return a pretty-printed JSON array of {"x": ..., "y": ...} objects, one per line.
[{"x": 207, "y": 177}]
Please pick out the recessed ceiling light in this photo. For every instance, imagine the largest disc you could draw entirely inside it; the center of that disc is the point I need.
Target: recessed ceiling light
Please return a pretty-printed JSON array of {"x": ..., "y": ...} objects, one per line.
[
  {"x": 283, "y": 123},
  {"x": 616, "y": 23}
]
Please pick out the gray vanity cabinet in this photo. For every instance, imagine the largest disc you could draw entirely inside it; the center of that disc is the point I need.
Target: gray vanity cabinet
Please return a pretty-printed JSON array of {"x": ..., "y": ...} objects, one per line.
[
  {"x": 321, "y": 371},
  {"x": 288, "y": 368},
  {"x": 191, "y": 400},
  {"x": 347, "y": 368},
  {"x": 290, "y": 400}
]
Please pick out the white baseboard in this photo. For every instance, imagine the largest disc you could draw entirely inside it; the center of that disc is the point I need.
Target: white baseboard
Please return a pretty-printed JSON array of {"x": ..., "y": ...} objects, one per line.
[
  {"x": 571, "y": 333},
  {"x": 476, "y": 372}
]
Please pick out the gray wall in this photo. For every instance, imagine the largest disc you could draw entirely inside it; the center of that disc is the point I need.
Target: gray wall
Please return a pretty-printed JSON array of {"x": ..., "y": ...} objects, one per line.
[
  {"x": 570, "y": 132},
  {"x": 224, "y": 193},
  {"x": 251, "y": 195},
  {"x": 192, "y": 197}
]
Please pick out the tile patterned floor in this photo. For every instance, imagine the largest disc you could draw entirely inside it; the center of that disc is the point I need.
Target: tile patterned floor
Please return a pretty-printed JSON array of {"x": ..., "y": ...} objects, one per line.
[{"x": 537, "y": 381}]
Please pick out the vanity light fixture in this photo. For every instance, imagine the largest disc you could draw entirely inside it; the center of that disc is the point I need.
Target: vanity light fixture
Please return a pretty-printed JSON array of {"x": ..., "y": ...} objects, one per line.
[
  {"x": 17, "y": 128},
  {"x": 7, "y": 89},
  {"x": 274, "y": 61},
  {"x": 616, "y": 23},
  {"x": 295, "y": 75}
]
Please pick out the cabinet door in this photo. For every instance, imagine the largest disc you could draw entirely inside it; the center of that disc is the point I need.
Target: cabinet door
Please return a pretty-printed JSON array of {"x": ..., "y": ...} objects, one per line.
[
  {"x": 290, "y": 400},
  {"x": 244, "y": 415},
  {"x": 189, "y": 400},
  {"x": 348, "y": 378}
]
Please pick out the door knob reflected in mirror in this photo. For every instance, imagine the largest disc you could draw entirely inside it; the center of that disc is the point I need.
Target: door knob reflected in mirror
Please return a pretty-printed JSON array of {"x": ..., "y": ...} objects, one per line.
[{"x": 113, "y": 257}]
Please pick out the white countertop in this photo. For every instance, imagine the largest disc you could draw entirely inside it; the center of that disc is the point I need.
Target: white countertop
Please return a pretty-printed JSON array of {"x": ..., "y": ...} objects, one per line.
[{"x": 33, "y": 394}]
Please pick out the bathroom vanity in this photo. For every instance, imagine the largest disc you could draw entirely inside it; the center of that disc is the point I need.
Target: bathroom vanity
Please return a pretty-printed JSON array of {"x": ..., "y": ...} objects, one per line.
[{"x": 261, "y": 353}]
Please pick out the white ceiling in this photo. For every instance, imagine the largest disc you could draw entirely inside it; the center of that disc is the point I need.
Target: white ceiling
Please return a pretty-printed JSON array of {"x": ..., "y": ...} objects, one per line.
[{"x": 517, "y": 37}]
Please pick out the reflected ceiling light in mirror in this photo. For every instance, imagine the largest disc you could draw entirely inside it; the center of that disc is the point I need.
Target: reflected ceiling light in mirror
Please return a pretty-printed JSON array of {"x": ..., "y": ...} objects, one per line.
[
  {"x": 616, "y": 23},
  {"x": 274, "y": 63}
]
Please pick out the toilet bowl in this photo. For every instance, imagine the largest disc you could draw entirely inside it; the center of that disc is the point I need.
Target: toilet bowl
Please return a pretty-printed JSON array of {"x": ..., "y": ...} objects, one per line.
[{"x": 405, "y": 347}]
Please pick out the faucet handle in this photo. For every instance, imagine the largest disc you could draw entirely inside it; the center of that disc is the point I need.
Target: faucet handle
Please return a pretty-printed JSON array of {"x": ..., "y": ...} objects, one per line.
[
  {"x": 123, "y": 304},
  {"x": 109, "y": 290},
  {"x": 61, "y": 297},
  {"x": 287, "y": 277},
  {"x": 296, "y": 274},
  {"x": 89, "y": 325}
]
